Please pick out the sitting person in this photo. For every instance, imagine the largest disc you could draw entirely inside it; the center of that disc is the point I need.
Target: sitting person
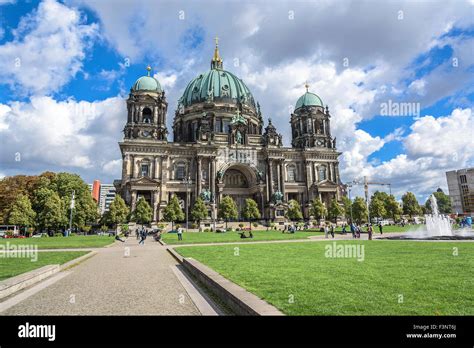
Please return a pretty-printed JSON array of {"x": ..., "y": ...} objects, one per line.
[
  {"x": 250, "y": 234},
  {"x": 118, "y": 238},
  {"x": 242, "y": 235}
]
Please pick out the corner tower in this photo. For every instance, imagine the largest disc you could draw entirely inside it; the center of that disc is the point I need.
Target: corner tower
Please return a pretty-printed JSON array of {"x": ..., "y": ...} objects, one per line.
[
  {"x": 310, "y": 123},
  {"x": 146, "y": 110}
]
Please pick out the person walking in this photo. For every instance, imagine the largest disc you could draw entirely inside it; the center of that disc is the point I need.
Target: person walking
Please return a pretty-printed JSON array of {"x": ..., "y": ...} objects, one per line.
[
  {"x": 344, "y": 229},
  {"x": 326, "y": 231},
  {"x": 332, "y": 231},
  {"x": 142, "y": 237},
  {"x": 358, "y": 231},
  {"x": 180, "y": 233},
  {"x": 353, "y": 230},
  {"x": 380, "y": 227},
  {"x": 369, "y": 231}
]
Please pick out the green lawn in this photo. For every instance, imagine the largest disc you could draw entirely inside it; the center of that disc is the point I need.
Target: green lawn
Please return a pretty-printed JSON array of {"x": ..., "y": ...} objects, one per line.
[
  {"x": 10, "y": 267},
  {"x": 431, "y": 280},
  {"x": 386, "y": 229},
  {"x": 211, "y": 237},
  {"x": 61, "y": 242}
]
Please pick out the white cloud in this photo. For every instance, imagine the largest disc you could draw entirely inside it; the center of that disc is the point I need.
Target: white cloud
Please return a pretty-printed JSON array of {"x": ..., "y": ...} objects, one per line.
[
  {"x": 55, "y": 135},
  {"x": 47, "y": 51}
]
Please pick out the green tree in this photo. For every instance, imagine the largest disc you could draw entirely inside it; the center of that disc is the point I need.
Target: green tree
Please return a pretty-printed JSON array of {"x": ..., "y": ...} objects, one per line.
[
  {"x": 85, "y": 208},
  {"x": 393, "y": 208},
  {"x": 443, "y": 201},
  {"x": 250, "y": 211},
  {"x": 118, "y": 212},
  {"x": 294, "y": 210},
  {"x": 335, "y": 210},
  {"x": 199, "y": 211},
  {"x": 49, "y": 209},
  {"x": 359, "y": 210},
  {"x": 143, "y": 212},
  {"x": 227, "y": 209},
  {"x": 410, "y": 205},
  {"x": 173, "y": 211},
  {"x": 317, "y": 209},
  {"x": 347, "y": 204},
  {"x": 377, "y": 208},
  {"x": 21, "y": 213}
]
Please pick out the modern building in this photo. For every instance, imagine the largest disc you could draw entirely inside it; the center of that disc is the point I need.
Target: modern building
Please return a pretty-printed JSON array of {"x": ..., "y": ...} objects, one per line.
[
  {"x": 222, "y": 147},
  {"x": 461, "y": 190},
  {"x": 103, "y": 194}
]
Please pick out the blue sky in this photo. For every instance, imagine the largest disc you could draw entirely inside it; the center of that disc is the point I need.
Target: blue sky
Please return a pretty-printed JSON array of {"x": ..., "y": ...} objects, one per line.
[{"x": 62, "y": 107}]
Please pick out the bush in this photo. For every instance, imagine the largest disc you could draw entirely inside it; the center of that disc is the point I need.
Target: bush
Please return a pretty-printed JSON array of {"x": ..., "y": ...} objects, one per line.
[
  {"x": 241, "y": 225},
  {"x": 86, "y": 229},
  {"x": 194, "y": 225},
  {"x": 207, "y": 230},
  {"x": 59, "y": 234},
  {"x": 255, "y": 224}
]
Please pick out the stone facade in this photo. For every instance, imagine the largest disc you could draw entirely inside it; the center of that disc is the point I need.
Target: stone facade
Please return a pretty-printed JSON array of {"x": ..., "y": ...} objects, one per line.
[{"x": 220, "y": 145}]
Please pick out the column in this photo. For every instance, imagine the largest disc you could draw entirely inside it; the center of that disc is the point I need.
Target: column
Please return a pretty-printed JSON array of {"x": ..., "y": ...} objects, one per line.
[
  {"x": 133, "y": 169},
  {"x": 270, "y": 178},
  {"x": 156, "y": 168},
  {"x": 198, "y": 176},
  {"x": 278, "y": 168},
  {"x": 155, "y": 205},
  {"x": 134, "y": 199},
  {"x": 282, "y": 179}
]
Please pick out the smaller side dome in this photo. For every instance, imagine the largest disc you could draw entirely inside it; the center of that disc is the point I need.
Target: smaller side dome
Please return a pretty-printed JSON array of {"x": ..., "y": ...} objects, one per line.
[
  {"x": 308, "y": 99},
  {"x": 147, "y": 83}
]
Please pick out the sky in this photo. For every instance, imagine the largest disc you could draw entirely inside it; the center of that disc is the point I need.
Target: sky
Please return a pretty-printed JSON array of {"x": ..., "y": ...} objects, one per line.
[{"x": 397, "y": 76}]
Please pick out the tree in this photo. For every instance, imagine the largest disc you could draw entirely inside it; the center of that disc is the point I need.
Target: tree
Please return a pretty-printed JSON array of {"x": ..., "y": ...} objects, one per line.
[
  {"x": 347, "y": 203},
  {"x": 85, "y": 208},
  {"x": 199, "y": 211},
  {"x": 50, "y": 209},
  {"x": 250, "y": 211},
  {"x": 294, "y": 210},
  {"x": 377, "y": 208},
  {"x": 335, "y": 210},
  {"x": 442, "y": 200},
  {"x": 143, "y": 212},
  {"x": 393, "y": 208},
  {"x": 21, "y": 213},
  {"x": 317, "y": 209},
  {"x": 359, "y": 210},
  {"x": 228, "y": 210},
  {"x": 173, "y": 211},
  {"x": 410, "y": 205},
  {"x": 118, "y": 212}
]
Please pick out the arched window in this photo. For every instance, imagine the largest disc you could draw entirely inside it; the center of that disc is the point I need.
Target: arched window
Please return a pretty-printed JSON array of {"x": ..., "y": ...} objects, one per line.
[
  {"x": 180, "y": 171},
  {"x": 322, "y": 173},
  {"x": 147, "y": 116},
  {"x": 291, "y": 173}
]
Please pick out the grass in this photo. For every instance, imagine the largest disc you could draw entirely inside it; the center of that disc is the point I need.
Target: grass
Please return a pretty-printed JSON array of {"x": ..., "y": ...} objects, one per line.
[
  {"x": 386, "y": 229},
  {"x": 10, "y": 267},
  {"x": 61, "y": 242},
  {"x": 211, "y": 237},
  {"x": 431, "y": 280}
]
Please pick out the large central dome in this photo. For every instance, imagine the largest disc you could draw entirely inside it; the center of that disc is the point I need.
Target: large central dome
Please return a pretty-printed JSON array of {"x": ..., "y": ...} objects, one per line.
[{"x": 216, "y": 85}]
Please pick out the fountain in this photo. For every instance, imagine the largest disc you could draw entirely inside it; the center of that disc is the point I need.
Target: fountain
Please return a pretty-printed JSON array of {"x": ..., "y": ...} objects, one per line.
[{"x": 437, "y": 227}]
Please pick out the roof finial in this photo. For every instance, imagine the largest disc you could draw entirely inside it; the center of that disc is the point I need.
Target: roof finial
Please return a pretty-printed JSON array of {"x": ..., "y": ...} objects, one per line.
[
  {"x": 148, "y": 69},
  {"x": 306, "y": 85},
  {"x": 216, "y": 62}
]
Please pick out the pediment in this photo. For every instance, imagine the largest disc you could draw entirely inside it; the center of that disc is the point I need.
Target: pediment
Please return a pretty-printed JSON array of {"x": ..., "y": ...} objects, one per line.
[{"x": 144, "y": 181}]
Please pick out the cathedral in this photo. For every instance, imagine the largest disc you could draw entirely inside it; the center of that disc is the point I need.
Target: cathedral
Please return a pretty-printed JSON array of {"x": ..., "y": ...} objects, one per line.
[{"x": 221, "y": 147}]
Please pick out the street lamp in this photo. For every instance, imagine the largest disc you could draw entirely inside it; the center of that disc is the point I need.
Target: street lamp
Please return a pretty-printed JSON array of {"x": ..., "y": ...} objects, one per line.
[
  {"x": 350, "y": 186},
  {"x": 187, "y": 182}
]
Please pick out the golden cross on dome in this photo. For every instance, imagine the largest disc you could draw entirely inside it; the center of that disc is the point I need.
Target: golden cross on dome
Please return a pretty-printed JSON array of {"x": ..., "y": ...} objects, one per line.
[
  {"x": 306, "y": 85},
  {"x": 148, "y": 68},
  {"x": 217, "y": 41}
]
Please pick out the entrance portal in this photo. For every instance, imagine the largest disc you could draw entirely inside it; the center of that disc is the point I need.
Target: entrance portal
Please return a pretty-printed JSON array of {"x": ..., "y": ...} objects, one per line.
[{"x": 239, "y": 184}]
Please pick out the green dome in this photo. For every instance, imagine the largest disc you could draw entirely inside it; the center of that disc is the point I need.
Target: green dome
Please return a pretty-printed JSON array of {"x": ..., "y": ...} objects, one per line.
[
  {"x": 216, "y": 84},
  {"x": 308, "y": 99},
  {"x": 147, "y": 83}
]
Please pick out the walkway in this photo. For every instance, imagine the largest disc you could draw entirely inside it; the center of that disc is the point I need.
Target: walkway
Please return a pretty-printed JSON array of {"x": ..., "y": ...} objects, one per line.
[{"x": 111, "y": 283}]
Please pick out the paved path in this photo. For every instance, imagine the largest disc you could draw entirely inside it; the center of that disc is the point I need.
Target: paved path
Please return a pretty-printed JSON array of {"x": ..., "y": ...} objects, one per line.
[{"x": 110, "y": 283}]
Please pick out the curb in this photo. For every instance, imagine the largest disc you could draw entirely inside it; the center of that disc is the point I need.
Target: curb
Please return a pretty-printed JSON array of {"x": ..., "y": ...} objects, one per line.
[
  {"x": 75, "y": 262},
  {"x": 14, "y": 284},
  {"x": 234, "y": 296}
]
